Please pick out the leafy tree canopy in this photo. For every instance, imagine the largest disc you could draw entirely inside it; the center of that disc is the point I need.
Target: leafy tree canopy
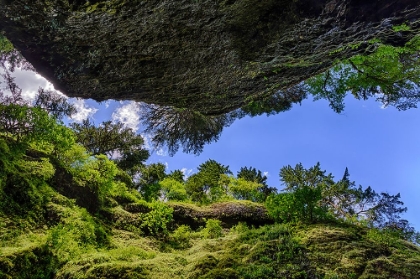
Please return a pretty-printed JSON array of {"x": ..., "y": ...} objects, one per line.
[
  {"x": 390, "y": 74},
  {"x": 114, "y": 140}
]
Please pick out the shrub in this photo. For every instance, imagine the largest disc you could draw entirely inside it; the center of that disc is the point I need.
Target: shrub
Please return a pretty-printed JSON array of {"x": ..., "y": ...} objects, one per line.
[
  {"x": 213, "y": 229},
  {"x": 156, "y": 221},
  {"x": 181, "y": 237}
]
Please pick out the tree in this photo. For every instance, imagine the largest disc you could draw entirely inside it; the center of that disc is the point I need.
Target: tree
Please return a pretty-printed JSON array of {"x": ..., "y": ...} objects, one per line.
[
  {"x": 315, "y": 196},
  {"x": 172, "y": 127},
  {"x": 242, "y": 189},
  {"x": 297, "y": 177},
  {"x": 177, "y": 175},
  {"x": 55, "y": 104},
  {"x": 307, "y": 187},
  {"x": 204, "y": 185},
  {"x": 390, "y": 74},
  {"x": 148, "y": 180},
  {"x": 113, "y": 140},
  {"x": 261, "y": 59},
  {"x": 253, "y": 175},
  {"x": 172, "y": 190},
  {"x": 280, "y": 101}
]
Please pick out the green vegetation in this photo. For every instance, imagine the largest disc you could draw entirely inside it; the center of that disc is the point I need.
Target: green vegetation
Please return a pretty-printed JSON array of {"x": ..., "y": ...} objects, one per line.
[
  {"x": 389, "y": 73},
  {"x": 80, "y": 202},
  {"x": 66, "y": 212}
]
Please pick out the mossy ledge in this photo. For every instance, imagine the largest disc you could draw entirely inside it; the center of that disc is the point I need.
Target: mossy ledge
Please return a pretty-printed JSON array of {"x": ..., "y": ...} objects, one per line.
[
  {"x": 179, "y": 53},
  {"x": 229, "y": 213}
]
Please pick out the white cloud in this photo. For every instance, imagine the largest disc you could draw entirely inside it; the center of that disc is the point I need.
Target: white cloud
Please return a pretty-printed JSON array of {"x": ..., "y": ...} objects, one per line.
[
  {"x": 29, "y": 95},
  {"x": 186, "y": 172},
  {"x": 147, "y": 141},
  {"x": 83, "y": 111},
  {"x": 30, "y": 82},
  {"x": 128, "y": 115},
  {"x": 266, "y": 173},
  {"x": 161, "y": 152}
]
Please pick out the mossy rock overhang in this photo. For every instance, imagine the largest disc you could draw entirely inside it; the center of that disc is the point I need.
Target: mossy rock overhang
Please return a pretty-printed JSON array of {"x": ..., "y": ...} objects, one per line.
[
  {"x": 230, "y": 213},
  {"x": 209, "y": 55}
]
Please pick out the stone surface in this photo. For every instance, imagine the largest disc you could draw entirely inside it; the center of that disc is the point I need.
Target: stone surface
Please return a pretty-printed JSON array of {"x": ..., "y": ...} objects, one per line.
[
  {"x": 230, "y": 213},
  {"x": 208, "y": 55}
]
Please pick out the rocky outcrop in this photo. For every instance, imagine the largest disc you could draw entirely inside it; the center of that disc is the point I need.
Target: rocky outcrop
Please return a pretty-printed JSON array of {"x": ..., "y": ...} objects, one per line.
[
  {"x": 229, "y": 213},
  {"x": 208, "y": 55}
]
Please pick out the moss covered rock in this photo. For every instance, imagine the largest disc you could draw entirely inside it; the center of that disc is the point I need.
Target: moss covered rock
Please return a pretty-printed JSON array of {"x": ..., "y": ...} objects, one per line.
[
  {"x": 230, "y": 213},
  {"x": 210, "y": 56}
]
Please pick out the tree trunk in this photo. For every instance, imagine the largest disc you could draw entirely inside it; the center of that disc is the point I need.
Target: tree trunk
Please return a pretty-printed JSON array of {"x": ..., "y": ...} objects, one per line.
[{"x": 209, "y": 55}]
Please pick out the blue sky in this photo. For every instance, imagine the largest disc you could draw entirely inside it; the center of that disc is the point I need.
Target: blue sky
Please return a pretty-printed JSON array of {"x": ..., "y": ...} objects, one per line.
[{"x": 379, "y": 146}]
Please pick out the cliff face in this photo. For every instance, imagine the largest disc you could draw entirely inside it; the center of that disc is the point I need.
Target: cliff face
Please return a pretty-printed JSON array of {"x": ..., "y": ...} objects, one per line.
[{"x": 211, "y": 56}]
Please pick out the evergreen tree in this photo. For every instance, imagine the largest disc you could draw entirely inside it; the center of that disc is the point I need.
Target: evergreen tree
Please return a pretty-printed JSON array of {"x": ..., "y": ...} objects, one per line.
[
  {"x": 253, "y": 175},
  {"x": 113, "y": 140},
  {"x": 204, "y": 186}
]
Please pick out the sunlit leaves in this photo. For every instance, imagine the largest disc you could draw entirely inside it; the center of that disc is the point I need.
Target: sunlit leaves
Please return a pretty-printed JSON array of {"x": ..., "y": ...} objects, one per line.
[
  {"x": 172, "y": 190},
  {"x": 390, "y": 74},
  {"x": 97, "y": 173}
]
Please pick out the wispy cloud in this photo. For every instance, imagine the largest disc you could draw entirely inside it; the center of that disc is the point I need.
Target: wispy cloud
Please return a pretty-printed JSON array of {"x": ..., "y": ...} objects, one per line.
[
  {"x": 128, "y": 114},
  {"x": 187, "y": 172},
  {"x": 161, "y": 152},
  {"x": 107, "y": 103},
  {"x": 266, "y": 173},
  {"x": 83, "y": 111}
]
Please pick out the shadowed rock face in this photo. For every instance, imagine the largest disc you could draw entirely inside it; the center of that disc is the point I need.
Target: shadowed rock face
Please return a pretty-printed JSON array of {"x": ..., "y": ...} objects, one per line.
[{"x": 212, "y": 56}]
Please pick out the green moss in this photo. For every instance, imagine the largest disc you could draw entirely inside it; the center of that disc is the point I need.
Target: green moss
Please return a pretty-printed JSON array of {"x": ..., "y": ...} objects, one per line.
[
  {"x": 110, "y": 7},
  {"x": 255, "y": 23},
  {"x": 5, "y": 45}
]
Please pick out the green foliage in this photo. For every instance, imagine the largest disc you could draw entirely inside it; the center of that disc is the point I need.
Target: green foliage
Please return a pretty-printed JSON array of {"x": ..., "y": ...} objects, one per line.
[
  {"x": 181, "y": 237},
  {"x": 252, "y": 175},
  {"x": 97, "y": 173},
  {"x": 384, "y": 237},
  {"x": 242, "y": 189},
  {"x": 177, "y": 175},
  {"x": 148, "y": 183},
  {"x": 113, "y": 139},
  {"x": 172, "y": 190},
  {"x": 23, "y": 186},
  {"x": 156, "y": 221},
  {"x": 69, "y": 240},
  {"x": 304, "y": 200},
  {"x": 24, "y": 123},
  {"x": 390, "y": 74},
  {"x": 183, "y": 127},
  {"x": 279, "y": 101},
  {"x": 204, "y": 186},
  {"x": 21, "y": 264},
  {"x": 402, "y": 27},
  {"x": 281, "y": 207},
  {"x": 213, "y": 229},
  {"x": 39, "y": 228},
  {"x": 5, "y": 45}
]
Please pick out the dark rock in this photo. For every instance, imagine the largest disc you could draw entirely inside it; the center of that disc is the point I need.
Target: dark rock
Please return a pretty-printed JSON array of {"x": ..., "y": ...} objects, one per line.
[
  {"x": 210, "y": 56},
  {"x": 230, "y": 213}
]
